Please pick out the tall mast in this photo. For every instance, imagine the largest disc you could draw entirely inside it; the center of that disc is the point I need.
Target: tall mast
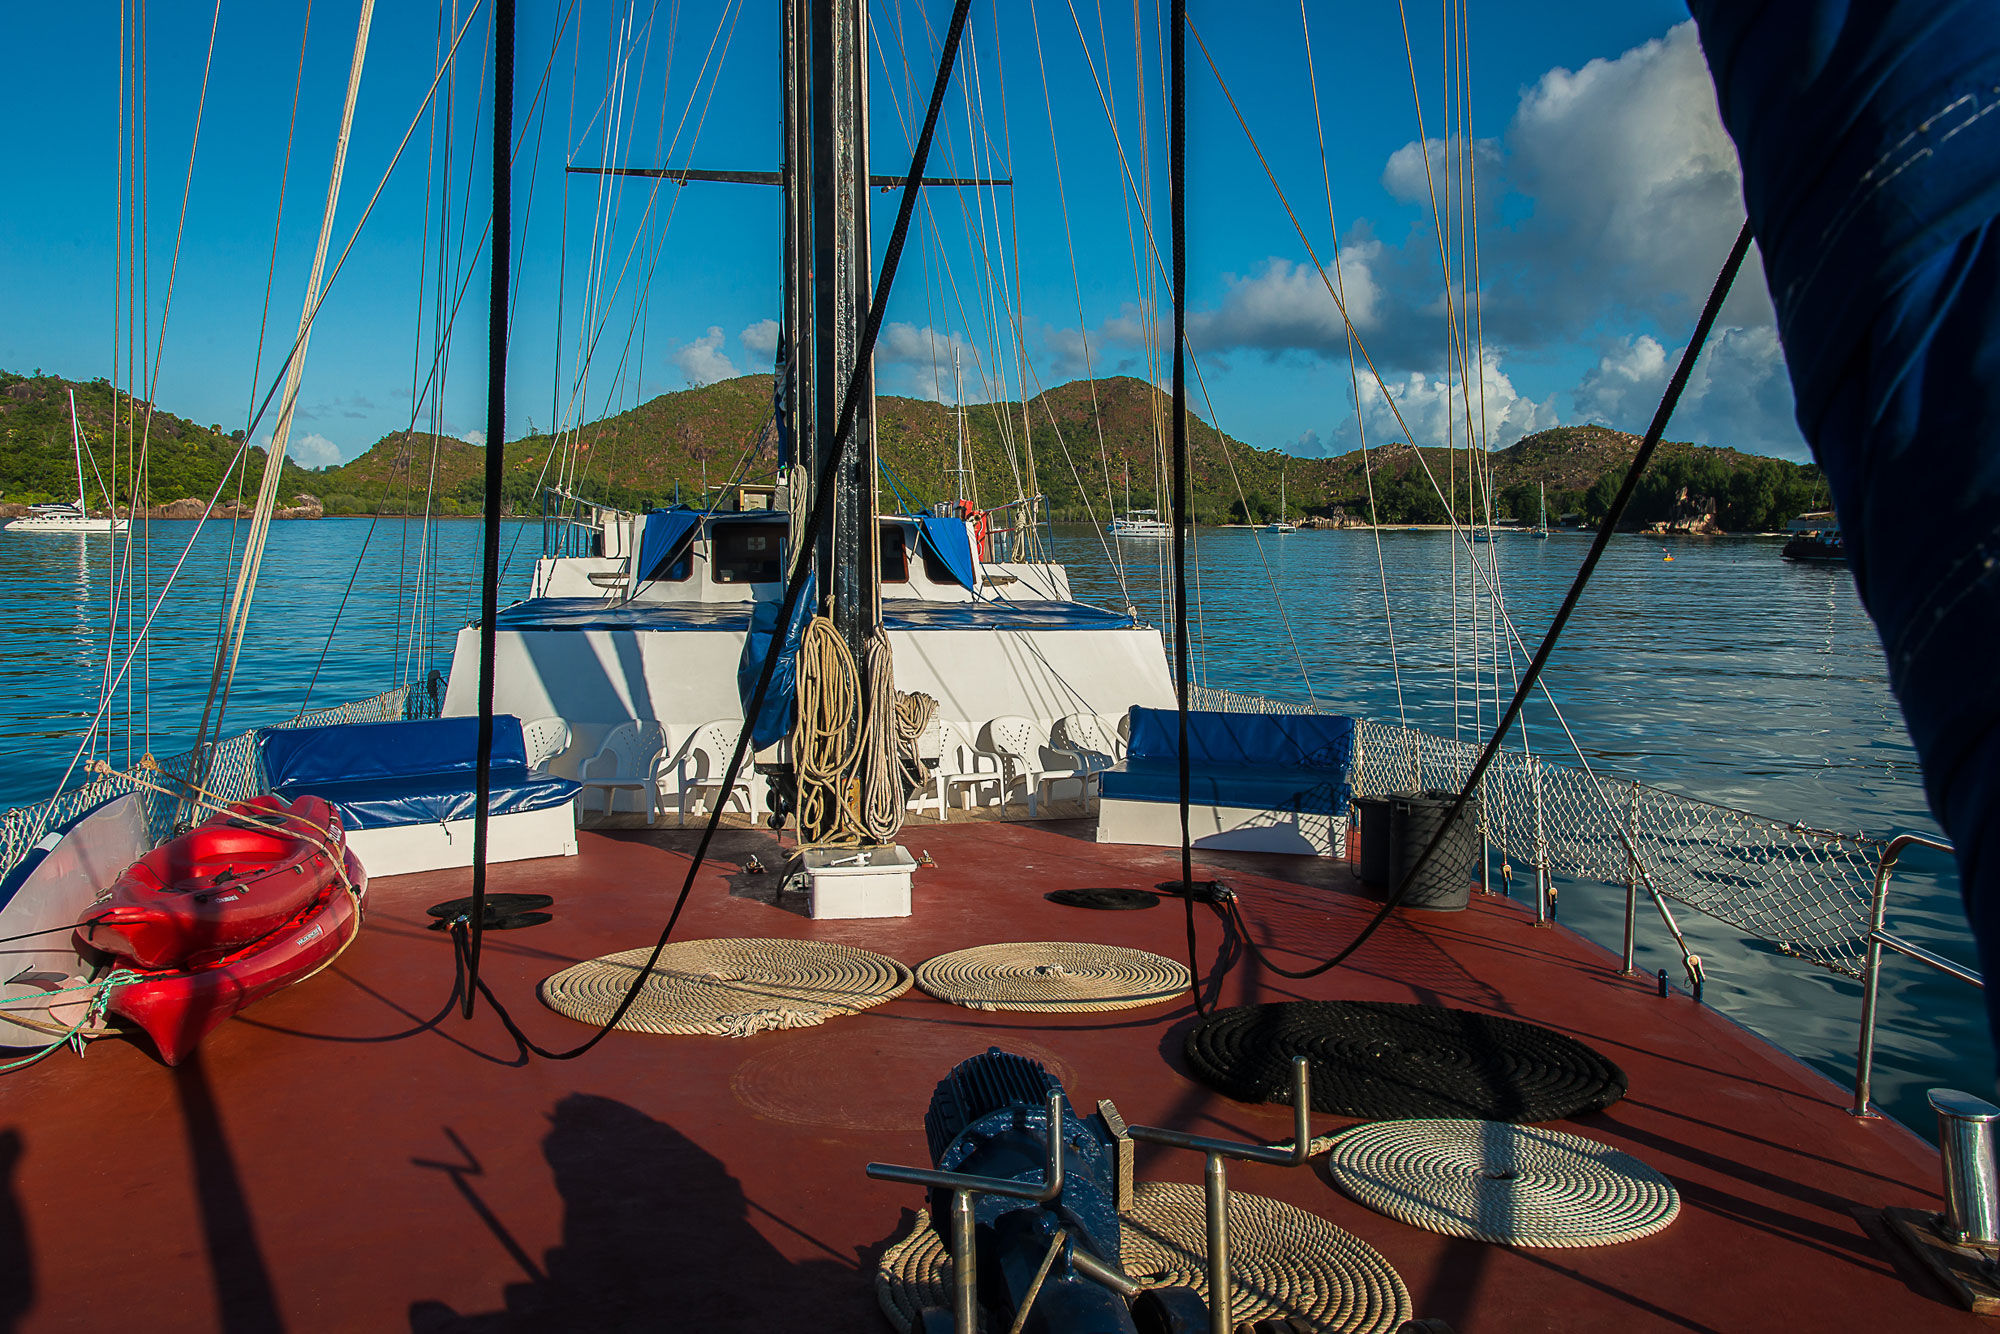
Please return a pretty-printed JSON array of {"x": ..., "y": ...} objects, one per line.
[
  {"x": 843, "y": 286},
  {"x": 797, "y": 400},
  {"x": 76, "y": 438},
  {"x": 958, "y": 397}
]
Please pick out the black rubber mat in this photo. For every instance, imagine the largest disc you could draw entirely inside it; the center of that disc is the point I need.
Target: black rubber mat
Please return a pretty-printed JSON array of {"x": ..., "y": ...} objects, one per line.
[
  {"x": 1376, "y": 1060},
  {"x": 496, "y": 905},
  {"x": 1107, "y": 900},
  {"x": 504, "y": 912},
  {"x": 501, "y": 922}
]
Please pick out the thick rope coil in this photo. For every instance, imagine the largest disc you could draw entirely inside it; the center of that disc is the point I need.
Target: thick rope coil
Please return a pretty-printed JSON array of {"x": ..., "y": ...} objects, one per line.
[
  {"x": 826, "y": 738},
  {"x": 881, "y": 796}
]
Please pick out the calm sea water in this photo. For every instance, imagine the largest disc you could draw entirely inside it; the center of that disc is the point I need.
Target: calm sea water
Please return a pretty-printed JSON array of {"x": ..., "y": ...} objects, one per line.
[{"x": 1724, "y": 673}]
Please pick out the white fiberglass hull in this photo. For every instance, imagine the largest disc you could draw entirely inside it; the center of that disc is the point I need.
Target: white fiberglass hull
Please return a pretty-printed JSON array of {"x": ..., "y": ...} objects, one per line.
[{"x": 37, "y": 523}]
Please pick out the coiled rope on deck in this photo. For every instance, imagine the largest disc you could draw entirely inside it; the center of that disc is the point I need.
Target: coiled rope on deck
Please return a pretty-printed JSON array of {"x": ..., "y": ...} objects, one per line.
[
  {"x": 733, "y": 988},
  {"x": 1052, "y": 977},
  {"x": 1284, "y": 1263},
  {"x": 1514, "y": 1185}
]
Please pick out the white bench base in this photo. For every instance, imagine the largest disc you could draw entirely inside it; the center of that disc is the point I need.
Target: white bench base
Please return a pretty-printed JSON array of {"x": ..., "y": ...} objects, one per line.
[
  {"x": 404, "y": 849},
  {"x": 1157, "y": 824}
]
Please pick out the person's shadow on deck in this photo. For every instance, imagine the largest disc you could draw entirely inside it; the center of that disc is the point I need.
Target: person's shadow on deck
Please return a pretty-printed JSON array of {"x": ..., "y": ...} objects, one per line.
[
  {"x": 17, "y": 1266},
  {"x": 656, "y": 1235}
]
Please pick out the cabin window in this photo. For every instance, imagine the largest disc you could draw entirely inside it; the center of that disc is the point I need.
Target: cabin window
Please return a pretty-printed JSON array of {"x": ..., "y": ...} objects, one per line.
[
  {"x": 895, "y": 554},
  {"x": 936, "y": 570},
  {"x": 748, "y": 553}
]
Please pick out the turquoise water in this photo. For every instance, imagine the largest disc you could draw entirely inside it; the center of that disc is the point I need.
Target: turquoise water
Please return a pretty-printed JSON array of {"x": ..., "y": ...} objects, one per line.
[{"x": 1724, "y": 673}]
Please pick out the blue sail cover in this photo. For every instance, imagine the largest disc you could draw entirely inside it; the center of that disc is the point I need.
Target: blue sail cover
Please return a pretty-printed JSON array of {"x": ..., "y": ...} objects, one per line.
[
  {"x": 667, "y": 534},
  {"x": 951, "y": 542},
  {"x": 1871, "y": 166},
  {"x": 774, "y": 720}
]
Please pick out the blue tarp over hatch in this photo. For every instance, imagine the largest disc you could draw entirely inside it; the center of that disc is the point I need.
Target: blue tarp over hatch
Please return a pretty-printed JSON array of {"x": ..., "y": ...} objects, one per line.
[
  {"x": 667, "y": 534},
  {"x": 1871, "y": 170},
  {"x": 774, "y": 720},
  {"x": 951, "y": 542}
]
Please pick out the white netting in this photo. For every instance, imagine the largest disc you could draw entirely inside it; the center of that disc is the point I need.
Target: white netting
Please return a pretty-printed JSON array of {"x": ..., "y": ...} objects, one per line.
[
  {"x": 233, "y": 773},
  {"x": 1805, "y": 890}
]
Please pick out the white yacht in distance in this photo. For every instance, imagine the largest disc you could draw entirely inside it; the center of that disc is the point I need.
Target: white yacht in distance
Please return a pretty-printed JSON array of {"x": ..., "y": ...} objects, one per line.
[
  {"x": 65, "y": 516},
  {"x": 1140, "y": 523}
]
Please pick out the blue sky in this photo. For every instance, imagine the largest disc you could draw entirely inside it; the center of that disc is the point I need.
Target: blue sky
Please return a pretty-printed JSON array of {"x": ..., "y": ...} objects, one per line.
[{"x": 1607, "y": 197}]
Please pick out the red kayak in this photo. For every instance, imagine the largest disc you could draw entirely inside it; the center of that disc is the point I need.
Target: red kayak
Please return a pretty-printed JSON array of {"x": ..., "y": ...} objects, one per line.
[
  {"x": 178, "y": 1007},
  {"x": 224, "y": 884}
]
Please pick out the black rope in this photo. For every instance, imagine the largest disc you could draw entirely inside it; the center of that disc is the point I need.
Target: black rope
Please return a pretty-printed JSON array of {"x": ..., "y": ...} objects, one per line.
[
  {"x": 496, "y": 474},
  {"x": 1668, "y": 401},
  {"x": 50, "y": 931},
  {"x": 795, "y": 585},
  {"x": 1177, "y": 209}
]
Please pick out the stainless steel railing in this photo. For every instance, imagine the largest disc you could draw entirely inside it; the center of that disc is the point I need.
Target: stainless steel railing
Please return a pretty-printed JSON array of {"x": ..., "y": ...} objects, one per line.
[{"x": 1879, "y": 939}]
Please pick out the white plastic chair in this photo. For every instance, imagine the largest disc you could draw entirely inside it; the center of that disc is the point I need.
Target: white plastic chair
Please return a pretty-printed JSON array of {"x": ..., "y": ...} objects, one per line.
[
  {"x": 963, "y": 766},
  {"x": 1080, "y": 749},
  {"x": 544, "y": 739},
  {"x": 702, "y": 762},
  {"x": 1018, "y": 742},
  {"x": 931, "y": 754},
  {"x": 628, "y": 760}
]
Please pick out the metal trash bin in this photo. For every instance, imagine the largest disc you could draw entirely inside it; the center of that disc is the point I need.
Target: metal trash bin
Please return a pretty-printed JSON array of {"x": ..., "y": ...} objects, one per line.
[
  {"x": 1395, "y": 830},
  {"x": 1371, "y": 815}
]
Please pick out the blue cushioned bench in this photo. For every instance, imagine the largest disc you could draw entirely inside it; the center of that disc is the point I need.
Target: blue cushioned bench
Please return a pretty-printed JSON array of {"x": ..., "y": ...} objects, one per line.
[
  {"x": 1261, "y": 782},
  {"x": 407, "y": 790}
]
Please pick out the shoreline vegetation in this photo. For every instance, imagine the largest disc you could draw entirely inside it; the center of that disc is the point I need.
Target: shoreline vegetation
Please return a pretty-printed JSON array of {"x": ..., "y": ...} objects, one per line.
[{"x": 684, "y": 445}]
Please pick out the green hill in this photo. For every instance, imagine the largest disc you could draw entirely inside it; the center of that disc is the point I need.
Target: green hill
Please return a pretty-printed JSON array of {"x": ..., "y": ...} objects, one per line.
[
  {"x": 1087, "y": 440},
  {"x": 183, "y": 458}
]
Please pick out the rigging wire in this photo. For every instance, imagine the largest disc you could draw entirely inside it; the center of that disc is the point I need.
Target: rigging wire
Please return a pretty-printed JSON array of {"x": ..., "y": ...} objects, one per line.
[
  {"x": 1177, "y": 215},
  {"x": 1487, "y": 754},
  {"x": 1353, "y": 373},
  {"x": 496, "y": 439}
]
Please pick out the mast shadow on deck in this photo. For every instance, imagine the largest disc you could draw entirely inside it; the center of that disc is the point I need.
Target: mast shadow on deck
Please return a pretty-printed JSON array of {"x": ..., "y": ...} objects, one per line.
[
  {"x": 17, "y": 1261},
  {"x": 656, "y": 1235}
]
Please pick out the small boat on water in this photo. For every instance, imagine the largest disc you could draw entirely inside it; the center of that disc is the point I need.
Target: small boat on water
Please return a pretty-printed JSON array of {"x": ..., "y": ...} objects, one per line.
[
  {"x": 1815, "y": 540},
  {"x": 64, "y": 516},
  {"x": 225, "y": 884},
  {"x": 178, "y": 1007}
]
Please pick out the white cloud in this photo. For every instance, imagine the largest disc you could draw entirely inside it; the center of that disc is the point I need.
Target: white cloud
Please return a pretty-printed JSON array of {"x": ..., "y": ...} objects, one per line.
[
  {"x": 1405, "y": 177},
  {"x": 760, "y": 340},
  {"x": 916, "y": 360},
  {"x": 473, "y": 438},
  {"x": 1737, "y": 395},
  {"x": 1436, "y": 410},
  {"x": 702, "y": 361},
  {"x": 1286, "y": 306},
  {"x": 1635, "y": 185},
  {"x": 313, "y": 451}
]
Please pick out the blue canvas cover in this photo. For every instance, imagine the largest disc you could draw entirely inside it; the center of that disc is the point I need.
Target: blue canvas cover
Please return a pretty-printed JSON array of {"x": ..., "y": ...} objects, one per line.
[
  {"x": 897, "y": 614},
  {"x": 951, "y": 542},
  {"x": 1258, "y": 760},
  {"x": 1871, "y": 168},
  {"x": 400, "y": 773},
  {"x": 667, "y": 534},
  {"x": 774, "y": 720}
]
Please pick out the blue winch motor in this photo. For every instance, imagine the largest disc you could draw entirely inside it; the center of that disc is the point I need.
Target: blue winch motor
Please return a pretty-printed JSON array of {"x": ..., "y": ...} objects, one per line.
[{"x": 989, "y": 1117}]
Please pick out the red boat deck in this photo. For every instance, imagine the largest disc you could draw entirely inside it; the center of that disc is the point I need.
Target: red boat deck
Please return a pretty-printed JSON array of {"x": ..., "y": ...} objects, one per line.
[{"x": 349, "y": 1155}]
